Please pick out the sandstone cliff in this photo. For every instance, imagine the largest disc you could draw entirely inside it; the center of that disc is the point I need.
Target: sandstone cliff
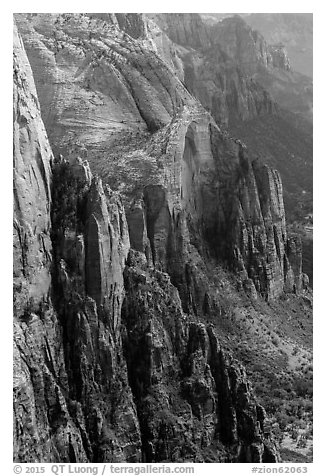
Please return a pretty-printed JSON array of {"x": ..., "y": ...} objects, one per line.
[
  {"x": 220, "y": 67},
  {"x": 212, "y": 200},
  {"x": 32, "y": 198},
  {"x": 72, "y": 401},
  {"x": 197, "y": 164},
  {"x": 295, "y": 31},
  {"x": 115, "y": 359},
  {"x": 232, "y": 70},
  {"x": 250, "y": 88}
]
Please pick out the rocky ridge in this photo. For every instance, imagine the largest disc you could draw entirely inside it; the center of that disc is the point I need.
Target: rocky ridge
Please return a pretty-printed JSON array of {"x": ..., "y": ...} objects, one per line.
[
  {"x": 295, "y": 31},
  {"x": 211, "y": 199},
  {"x": 83, "y": 389},
  {"x": 67, "y": 362},
  {"x": 234, "y": 72},
  {"x": 72, "y": 396},
  {"x": 250, "y": 88},
  {"x": 175, "y": 113}
]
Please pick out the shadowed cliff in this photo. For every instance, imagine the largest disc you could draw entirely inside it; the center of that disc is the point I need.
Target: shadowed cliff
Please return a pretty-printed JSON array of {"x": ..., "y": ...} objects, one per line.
[{"x": 120, "y": 352}]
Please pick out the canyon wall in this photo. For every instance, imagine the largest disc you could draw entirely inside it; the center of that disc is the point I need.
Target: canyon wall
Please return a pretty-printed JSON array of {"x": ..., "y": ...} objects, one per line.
[
  {"x": 72, "y": 401},
  {"x": 114, "y": 358}
]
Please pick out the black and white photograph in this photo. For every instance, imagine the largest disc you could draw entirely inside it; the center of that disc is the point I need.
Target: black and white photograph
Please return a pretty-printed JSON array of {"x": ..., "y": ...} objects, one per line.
[{"x": 162, "y": 238}]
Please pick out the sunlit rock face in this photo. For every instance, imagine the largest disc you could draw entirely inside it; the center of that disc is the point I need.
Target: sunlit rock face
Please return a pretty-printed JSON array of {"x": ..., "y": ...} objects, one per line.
[
  {"x": 194, "y": 185},
  {"x": 32, "y": 198},
  {"x": 115, "y": 360},
  {"x": 212, "y": 198},
  {"x": 68, "y": 364},
  {"x": 98, "y": 79}
]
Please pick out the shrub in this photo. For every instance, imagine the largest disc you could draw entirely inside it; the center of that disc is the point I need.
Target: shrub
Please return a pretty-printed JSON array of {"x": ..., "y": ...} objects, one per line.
[{"x": 303, "y": 387}]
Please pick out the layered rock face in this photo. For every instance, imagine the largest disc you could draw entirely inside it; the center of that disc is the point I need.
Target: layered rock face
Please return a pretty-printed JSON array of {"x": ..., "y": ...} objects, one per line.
[
  {"x": 32, "y": 198},
  {"x": 97, "y": 81},
  {"x": 213, "y": 200},
  {"x": 114, "y": 359},
  {"x": 249, "y": 87},
  {"x": 71, "y": 396},
  {"x": 246, "y": 46},
  {"x": 219, "y": 69},
  {"x": 295, "y": 31},
  {"x": 185, "y": 29},
  {"x": 266, "y": 64},
  {"x": 234, "y": 73},
  {"x": 33, "y": 379},
  {"x": 198, "y": 164}
]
